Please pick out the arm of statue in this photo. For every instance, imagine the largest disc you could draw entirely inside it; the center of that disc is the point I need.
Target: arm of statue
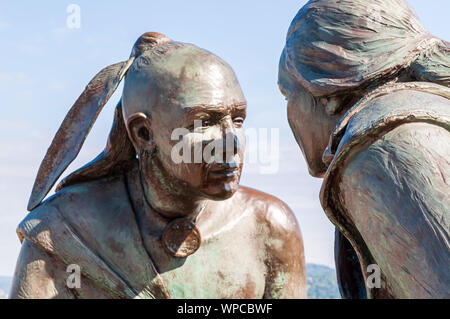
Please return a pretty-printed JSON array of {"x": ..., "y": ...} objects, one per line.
[
  {"x": 396, "y": 191},
  {"x": 286, "y": 272},
  {"x": 39, "y": 275}
]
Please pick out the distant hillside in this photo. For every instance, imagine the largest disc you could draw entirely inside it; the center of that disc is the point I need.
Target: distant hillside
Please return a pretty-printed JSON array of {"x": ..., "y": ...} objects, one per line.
[{"x": 320, "y": 280}]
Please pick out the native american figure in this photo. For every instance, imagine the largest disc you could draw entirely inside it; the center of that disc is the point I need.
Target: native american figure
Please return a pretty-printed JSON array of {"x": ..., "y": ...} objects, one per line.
[
  {"x": 368, "y": 102},
  {"x": 139, "y": 223}
]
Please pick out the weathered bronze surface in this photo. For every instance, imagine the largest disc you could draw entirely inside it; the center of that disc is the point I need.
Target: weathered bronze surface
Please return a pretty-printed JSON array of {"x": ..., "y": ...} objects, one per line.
[
  {"x": 368, "y": 102},
  {"x": 141, "y": 225},
  {"x": 181, "y": 237}
]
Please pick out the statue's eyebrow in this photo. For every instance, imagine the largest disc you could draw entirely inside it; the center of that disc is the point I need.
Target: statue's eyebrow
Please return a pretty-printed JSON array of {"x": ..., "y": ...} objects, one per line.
[{"x": 217, "y": 108}]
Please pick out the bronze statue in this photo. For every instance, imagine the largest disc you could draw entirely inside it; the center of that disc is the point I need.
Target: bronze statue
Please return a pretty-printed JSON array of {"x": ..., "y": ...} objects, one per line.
[
  {"x": 368, "y": 102},
  {"x": 139, "y": 224}
]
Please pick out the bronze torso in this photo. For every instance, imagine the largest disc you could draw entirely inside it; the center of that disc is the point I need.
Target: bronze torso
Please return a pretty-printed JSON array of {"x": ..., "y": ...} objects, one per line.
[{"x": 121, "y": 259}]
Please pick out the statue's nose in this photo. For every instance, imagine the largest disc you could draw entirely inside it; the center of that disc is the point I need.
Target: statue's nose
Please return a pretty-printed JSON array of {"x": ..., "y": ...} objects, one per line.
[
  {"x": 231, "y": 143},
  {"x": 230, "y": 140}
]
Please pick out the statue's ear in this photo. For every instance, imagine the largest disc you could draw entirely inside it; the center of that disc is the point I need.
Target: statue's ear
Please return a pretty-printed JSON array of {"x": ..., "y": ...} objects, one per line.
[
  {"x": 140, "y": 133},
  {"x": 76, "y": 126}
]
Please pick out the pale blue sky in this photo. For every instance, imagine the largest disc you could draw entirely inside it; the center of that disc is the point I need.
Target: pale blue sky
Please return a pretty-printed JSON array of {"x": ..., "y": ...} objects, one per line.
[{"x": 45, "y": 66}]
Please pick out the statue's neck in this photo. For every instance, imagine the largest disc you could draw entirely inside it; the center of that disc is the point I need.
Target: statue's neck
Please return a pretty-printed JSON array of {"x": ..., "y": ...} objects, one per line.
[{"x": 166, "y": 195}]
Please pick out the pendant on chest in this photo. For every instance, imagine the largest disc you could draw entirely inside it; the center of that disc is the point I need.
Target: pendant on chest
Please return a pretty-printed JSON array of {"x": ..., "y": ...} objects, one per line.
[{"x": 181, "y": 238}]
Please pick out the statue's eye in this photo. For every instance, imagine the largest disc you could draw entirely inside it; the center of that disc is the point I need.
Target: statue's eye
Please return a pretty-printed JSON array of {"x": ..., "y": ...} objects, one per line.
[
  {"x": 207, "y": 122},
  {"x": 238, "y": 121},
  {"x": 201, "y": 124}
]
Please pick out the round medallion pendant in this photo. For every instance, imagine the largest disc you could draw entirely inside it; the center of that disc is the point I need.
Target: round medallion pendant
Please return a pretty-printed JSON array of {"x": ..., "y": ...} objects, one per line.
[{"x": 181, "y": 237}]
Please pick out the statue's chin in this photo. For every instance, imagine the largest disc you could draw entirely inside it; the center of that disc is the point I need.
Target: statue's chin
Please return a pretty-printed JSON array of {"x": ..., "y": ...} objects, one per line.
[
  {"x": 318, "y": 173},
  {"x": 220, "y": 191},
  {"x": 316, "y": 168}
]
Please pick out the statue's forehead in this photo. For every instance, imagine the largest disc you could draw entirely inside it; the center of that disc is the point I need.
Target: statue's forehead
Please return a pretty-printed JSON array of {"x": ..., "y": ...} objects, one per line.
[{"x": 185, "y": 76}]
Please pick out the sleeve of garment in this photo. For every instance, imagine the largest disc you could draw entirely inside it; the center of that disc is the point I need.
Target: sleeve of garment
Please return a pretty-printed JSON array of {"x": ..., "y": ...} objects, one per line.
[{"x": 396, "y": 191}]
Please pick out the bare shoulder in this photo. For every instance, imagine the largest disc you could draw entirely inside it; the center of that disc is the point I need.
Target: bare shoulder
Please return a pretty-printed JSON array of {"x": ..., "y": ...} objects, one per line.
[
  {"x": 269, "y": 210},
  {"x": 282, "y": 239}
]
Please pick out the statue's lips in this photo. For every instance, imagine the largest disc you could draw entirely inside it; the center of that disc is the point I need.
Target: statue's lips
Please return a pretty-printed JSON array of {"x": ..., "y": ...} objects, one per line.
[{"x": 223, "y": 171}]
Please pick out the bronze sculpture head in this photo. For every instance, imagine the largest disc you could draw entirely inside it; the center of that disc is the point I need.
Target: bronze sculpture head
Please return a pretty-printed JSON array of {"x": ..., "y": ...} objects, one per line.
[
  {"x": 154, "y": 216},
  {"x": 172, "y": 86},
  {"x": 338, "y": 51},
  {"x": 169, "y": 85}
]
